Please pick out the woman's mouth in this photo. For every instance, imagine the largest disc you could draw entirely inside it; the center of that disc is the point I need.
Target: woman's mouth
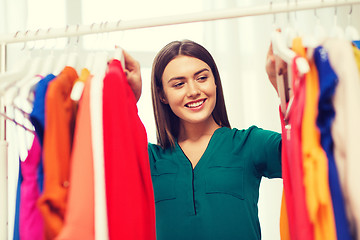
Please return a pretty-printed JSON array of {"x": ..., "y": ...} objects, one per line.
[{"x": 195, "y": 104}]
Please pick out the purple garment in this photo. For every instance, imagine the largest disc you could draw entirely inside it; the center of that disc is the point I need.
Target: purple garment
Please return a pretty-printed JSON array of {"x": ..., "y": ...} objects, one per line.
[{"x": 30, "y": 219}]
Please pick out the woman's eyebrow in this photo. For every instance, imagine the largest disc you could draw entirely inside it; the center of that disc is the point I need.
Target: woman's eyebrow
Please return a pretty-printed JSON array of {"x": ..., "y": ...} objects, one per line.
[
  {"x": 181, "y": 77},
  {"x": 202, "y": 70}
]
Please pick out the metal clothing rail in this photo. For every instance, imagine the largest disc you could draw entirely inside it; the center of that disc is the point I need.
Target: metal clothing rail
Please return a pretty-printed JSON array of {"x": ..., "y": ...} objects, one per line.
[
  {"x": 172, "y": 20},
  {"x": 79, "y": 30}
]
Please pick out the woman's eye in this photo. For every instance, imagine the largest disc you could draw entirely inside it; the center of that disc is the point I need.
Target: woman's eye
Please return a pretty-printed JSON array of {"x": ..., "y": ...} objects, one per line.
[
  {"x": 202, "y": 78},
  {"x": 179, "y": 84}
]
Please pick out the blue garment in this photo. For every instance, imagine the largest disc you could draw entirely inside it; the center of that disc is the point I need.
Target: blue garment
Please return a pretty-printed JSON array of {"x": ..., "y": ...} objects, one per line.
[
  {"x": 37, "y": 116},
  {"x": 17, "y": 207},
  {"x": 357, "y": 43},
  {"x": 40, "y": 177},
  {"x": 328, "y": 81}
]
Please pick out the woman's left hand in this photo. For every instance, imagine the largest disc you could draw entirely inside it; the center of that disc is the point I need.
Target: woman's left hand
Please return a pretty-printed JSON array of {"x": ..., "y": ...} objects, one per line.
[{"x": 273, "y": 69}]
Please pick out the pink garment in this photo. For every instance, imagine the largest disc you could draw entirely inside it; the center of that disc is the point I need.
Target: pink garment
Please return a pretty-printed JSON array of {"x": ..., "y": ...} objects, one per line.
[{"x": 31, "y": 224}]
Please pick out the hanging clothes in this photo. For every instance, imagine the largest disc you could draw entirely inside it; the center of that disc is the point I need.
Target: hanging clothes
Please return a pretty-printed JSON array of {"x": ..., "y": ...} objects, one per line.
[
  {"x": 345, "y": 128},
  {"x": 284, "y": 219},
  {"x": 328, "y": 82},
  {"x": 79, "y": 216},
  {"x": 30, "y": 219},
  {"x": 58, "y": 134},
  {"x": 129, "y": 191},
  {"x": 37, "y": 115},
  {"x": 317, "y": 192},
  {"x": 16, "y": 230},
  {"x": 97, "y": 141},
  {"x": 357, "y": 43},
  {"x": 37, "y": 118},
  {"x": 357, "y": 55},
  {"x": 300, "y": 226}
]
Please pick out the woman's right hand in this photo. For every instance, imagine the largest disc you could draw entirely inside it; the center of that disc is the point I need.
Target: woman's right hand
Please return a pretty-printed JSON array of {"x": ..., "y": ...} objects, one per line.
[{"x": 133, "y": 74}]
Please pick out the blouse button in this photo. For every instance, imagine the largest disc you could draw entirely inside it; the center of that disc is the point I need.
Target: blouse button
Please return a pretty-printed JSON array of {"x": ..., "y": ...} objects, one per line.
[{"x": 66, "y": 184}]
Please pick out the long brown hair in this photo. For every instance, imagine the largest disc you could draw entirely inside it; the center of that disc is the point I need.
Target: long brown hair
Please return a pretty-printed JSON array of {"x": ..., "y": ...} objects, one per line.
[{"x": 167, "y": 123}]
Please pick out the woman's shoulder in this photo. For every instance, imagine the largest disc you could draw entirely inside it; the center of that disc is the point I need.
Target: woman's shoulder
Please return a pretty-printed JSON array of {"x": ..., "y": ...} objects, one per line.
[
  {"x": 242, "y": 132},
  {"x": 252, "y": 133},
  {"x": 156, "y": 151}
]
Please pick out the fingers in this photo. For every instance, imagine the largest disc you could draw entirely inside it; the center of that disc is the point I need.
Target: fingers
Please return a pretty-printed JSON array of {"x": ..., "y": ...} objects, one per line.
[{"x": 130, "y": 62}]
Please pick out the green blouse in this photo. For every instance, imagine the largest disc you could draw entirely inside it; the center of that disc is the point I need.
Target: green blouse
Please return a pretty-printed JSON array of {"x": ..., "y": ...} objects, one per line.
[{"x": 218, "y": 198}]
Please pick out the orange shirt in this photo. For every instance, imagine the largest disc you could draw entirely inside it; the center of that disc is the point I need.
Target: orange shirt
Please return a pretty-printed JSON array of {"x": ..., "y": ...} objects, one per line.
[
  {"x": 79, "y": 216},
  {"x": 59, "y": 124},
  {"x": 315, "y": 161}
]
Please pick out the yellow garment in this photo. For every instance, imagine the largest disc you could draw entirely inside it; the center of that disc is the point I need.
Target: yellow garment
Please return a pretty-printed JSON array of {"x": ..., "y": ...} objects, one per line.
[
  {"x": 84, "y": 76},
  {"x": 357, "y": 56},
  {"x": 318, "y": 198},
  {"x": 284, "y": 221}
]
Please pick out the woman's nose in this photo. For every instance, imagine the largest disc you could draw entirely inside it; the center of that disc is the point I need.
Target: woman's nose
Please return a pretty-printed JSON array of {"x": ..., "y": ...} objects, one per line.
[{"x": 193, "y": 90}]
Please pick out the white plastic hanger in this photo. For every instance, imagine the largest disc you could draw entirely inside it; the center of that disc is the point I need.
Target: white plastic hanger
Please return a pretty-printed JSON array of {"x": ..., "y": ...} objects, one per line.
[
  {"x": 336, "y": 31},
  {"x": 316, "y": 38},
  {"x": 281, "y": 50},
  {"x": 24, "y": 99},
  {"x": 17, "y": 73},
  {"x": 290, "y": 31},
  {"x": 9, "y": 78},
  {"x": 78, "y": 88},
  {"x": 351, "y": 33},
  {"x": 119, "y": 55},
  {"x": 68, "y": 58},
  {"x": 14, "y": 101}
]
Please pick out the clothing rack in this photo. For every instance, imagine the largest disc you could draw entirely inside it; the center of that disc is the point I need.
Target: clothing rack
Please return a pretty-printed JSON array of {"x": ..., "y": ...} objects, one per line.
[
  {"x": 78, "y": 30},
  {"x": 104, "y": 27}
]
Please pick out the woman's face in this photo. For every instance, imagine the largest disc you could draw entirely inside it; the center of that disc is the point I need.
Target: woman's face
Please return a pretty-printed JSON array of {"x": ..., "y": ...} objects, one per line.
[{"x": 189, "y": 89}]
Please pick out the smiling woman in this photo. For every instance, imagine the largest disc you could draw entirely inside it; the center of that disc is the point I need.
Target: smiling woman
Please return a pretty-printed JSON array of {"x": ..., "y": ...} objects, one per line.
[
  {"x": 181, "y": 62},
  {"x": 238, "y": 45},
  {"x": 193, "y": 91},
  {"x": 206, "y": 175}
]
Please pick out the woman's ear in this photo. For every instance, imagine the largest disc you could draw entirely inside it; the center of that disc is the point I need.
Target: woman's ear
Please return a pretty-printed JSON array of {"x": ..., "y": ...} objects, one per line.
[
  {"x": 163, "y": 100},
  {"x": 162, "y": 97}
]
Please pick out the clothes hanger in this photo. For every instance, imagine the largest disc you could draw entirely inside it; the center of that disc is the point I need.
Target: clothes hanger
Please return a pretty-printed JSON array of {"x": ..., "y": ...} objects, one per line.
[
  {"x": 336, "y": 31},
  {"x": 101, "y": 57},
  {"x": 96, "y": 63},
  {"x": 16, "y": 104},
  {"x": 351, "y": 33},
  {"x": 35, "y": 67},
  {"x": 290, "y": 31},
  {"x": 315, "y": 38},
  {"x": 118, "y": 55},
  {"x": 319, "y": 34},
  {"x": 281, "y": 50},
  {"x": 16, "y": 123},
  {"x": 78, "y": 88},
  {"x": 25, "y": 98},
  {"x": 9, "y": 78},
  {"x": 67, "y": 58}
]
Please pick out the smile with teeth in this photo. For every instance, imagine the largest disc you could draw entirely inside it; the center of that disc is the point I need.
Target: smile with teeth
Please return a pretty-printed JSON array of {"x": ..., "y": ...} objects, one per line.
[{"x": 195, "y": 104}]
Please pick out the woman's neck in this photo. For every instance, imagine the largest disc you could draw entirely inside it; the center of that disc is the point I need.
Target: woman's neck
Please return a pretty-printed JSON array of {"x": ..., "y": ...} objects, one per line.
[{"x": 194, "y": 131}]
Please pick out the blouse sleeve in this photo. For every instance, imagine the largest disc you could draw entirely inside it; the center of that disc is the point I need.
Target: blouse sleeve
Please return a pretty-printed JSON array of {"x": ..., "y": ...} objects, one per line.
[{"x": 266, "y": 150}]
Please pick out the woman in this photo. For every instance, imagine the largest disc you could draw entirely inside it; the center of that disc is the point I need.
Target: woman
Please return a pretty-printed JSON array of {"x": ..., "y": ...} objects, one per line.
[{"x": 206, "y": 176}]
